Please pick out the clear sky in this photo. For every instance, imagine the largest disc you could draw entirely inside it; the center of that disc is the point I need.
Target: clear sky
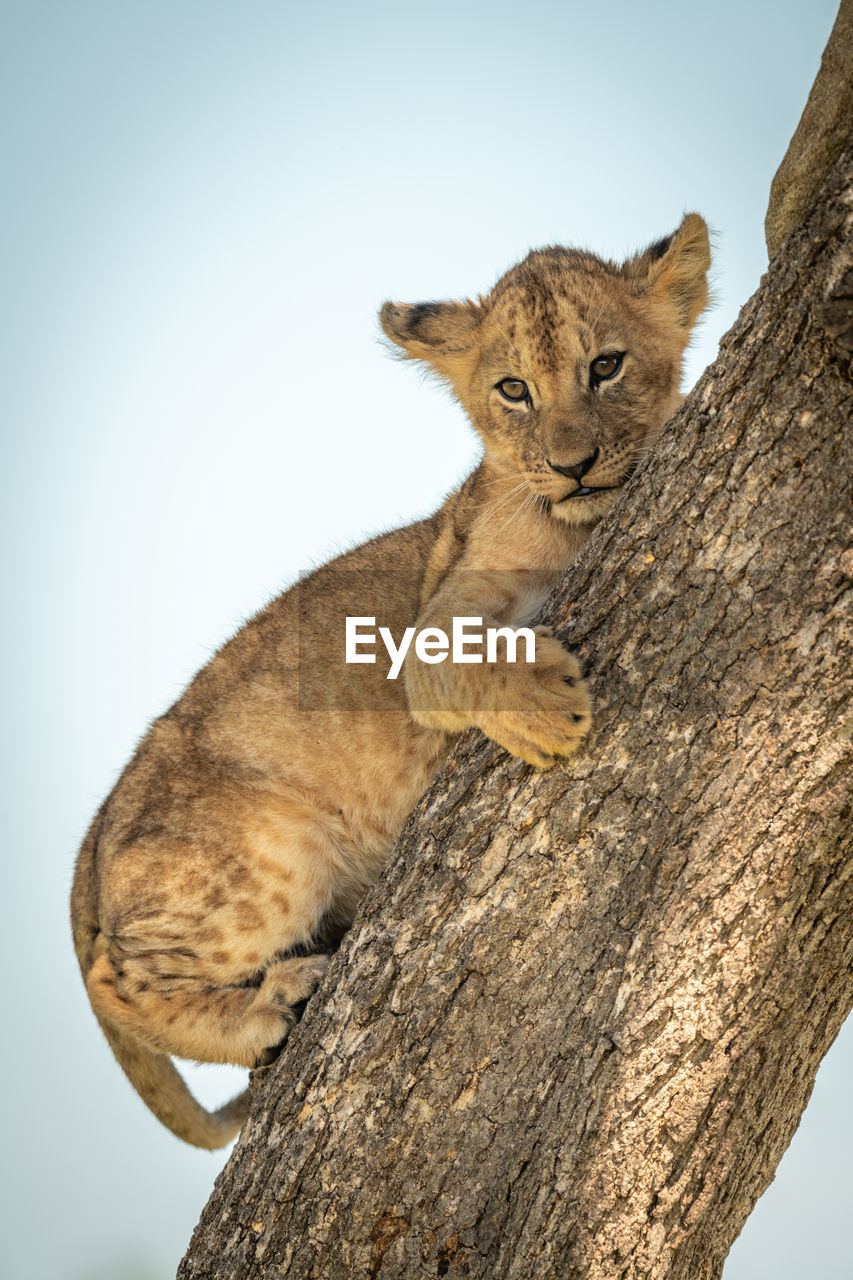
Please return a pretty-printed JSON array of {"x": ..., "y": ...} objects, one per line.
[{"x": 203, "y": 206}]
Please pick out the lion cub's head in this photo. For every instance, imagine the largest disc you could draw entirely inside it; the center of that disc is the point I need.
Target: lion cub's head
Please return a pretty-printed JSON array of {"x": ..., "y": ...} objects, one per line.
[{"x": 571, "y": 365}]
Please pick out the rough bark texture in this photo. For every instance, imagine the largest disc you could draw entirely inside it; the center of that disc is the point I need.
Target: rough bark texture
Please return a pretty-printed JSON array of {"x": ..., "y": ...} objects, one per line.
[
  {"x": 822, "y": 134},
  {"x": 575, "y": 1027}
]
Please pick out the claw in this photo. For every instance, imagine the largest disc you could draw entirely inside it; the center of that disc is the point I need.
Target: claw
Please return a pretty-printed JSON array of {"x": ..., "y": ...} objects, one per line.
[{"x": 268, "y": 1057}]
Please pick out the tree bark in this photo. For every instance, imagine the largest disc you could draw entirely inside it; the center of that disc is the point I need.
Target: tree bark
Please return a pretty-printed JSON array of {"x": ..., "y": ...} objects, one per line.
[
  {"x": 574, "y": 1028},
  {"x": 825, "y": 128}
]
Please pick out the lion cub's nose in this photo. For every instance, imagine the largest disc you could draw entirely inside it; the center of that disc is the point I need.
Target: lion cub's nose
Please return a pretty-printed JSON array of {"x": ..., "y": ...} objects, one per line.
[{"x": 579, "y": 469}]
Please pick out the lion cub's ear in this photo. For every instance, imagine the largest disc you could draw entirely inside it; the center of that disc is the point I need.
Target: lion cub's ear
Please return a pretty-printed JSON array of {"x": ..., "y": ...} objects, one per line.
[
  {"x": 674, "y": 270},
  {"x": 441, "y": 333}
]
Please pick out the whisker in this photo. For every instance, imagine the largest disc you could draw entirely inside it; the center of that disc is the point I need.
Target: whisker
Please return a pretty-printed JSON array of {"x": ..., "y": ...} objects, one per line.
[
  {"x": 499, "y": 504},
  {"x": 529, "y": 498},
  {"x": 524, "y": 475}
]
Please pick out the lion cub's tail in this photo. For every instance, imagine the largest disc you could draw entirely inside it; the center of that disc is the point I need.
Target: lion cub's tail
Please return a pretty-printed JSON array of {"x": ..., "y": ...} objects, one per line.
[
  {"x": 162, "y": 1088},
  {"x": 153, "y": 1075}
]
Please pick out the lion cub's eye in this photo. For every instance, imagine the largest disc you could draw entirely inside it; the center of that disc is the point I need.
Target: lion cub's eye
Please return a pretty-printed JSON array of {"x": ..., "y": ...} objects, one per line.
[
  {"x": 605, "y": 367},
  {"x": 513, "y": 389}
]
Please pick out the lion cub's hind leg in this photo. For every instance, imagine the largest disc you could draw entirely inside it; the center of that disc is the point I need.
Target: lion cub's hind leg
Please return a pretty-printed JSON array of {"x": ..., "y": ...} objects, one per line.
[
  {"x": 192, "y": 1018},
  {"x": 195, "y": 956}
]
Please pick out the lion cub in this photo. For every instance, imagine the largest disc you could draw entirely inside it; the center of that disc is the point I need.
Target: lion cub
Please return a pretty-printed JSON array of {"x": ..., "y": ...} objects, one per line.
[{"x": 257, "y": 810}]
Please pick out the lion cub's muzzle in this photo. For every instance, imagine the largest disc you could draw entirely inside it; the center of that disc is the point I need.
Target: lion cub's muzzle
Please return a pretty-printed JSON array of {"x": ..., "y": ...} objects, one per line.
[
  {"x": 581, "y": 473},
  {"x": 584, "y": 491},
  {"x": 576, "y": 470}
]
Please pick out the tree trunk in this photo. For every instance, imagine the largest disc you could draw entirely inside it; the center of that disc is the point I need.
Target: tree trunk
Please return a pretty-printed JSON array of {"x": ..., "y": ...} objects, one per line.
[{"x": 574, "y": 1028}]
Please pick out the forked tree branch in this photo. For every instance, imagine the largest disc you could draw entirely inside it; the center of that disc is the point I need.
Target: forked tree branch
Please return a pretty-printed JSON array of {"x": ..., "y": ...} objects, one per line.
[{"x": 825, "y": 129}]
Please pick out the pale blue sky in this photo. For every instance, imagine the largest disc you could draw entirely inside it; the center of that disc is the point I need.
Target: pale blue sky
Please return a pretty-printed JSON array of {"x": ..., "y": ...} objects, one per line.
[{"x": 203, "y": 206}]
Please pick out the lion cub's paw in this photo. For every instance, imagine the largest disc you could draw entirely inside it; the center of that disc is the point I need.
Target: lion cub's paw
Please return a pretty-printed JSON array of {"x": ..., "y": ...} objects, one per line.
[
  {"x": 286, "y": 984},
  {"x": 550, "y": 706}
]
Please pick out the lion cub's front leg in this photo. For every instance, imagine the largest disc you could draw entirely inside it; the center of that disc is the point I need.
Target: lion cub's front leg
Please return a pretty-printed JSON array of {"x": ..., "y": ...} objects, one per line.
[{"x": 536, "y": 710}]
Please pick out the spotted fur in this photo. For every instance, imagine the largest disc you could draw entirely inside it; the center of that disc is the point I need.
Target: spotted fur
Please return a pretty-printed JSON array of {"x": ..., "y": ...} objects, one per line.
[{"x": 256, "y": 811}]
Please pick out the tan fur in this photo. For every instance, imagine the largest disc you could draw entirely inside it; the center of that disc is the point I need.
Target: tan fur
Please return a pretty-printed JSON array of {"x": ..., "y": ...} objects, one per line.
[{"x": 256, "y": 811}]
